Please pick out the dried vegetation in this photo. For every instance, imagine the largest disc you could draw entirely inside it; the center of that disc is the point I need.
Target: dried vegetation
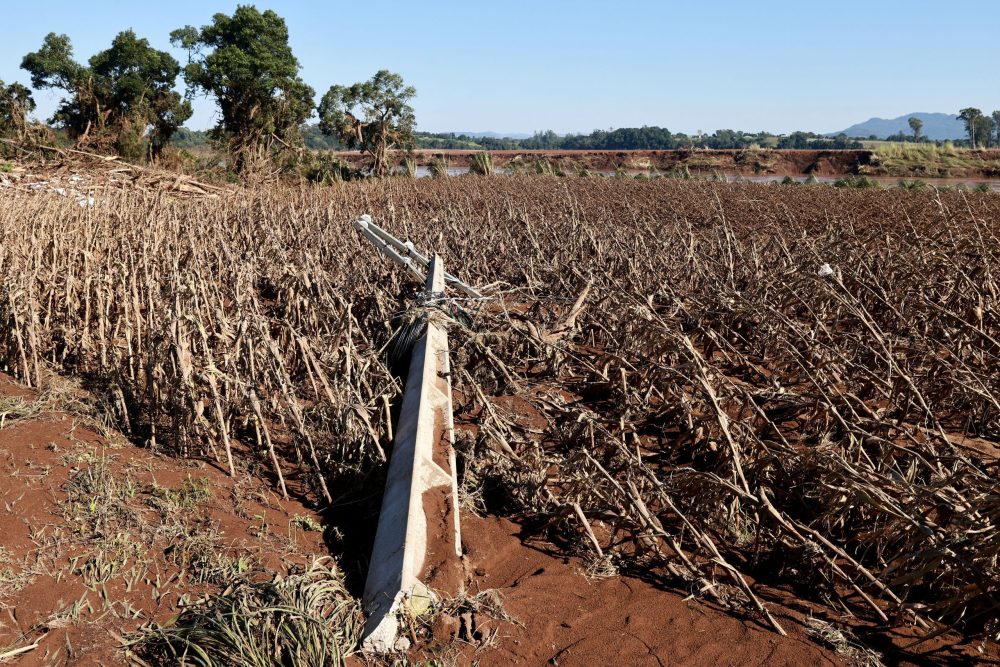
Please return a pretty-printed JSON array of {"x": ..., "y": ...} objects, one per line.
[
  {"x": 662, "y": 373},
  {"x": 304, "y": 619}
]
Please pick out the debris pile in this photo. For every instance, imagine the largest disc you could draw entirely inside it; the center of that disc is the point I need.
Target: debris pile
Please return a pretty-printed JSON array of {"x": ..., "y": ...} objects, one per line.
[{"x": 80, "y": 175}]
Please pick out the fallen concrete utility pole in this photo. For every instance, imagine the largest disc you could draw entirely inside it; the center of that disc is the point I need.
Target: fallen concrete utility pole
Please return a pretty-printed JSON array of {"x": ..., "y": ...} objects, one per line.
[
  {"x": 404, "y": 254},
  {"x": 418, "y": 545}
]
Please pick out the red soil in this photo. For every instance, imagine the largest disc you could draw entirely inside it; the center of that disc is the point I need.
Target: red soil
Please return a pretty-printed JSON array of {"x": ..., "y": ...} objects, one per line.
[
  {"x": 52, "y": 591},
  {"x": 568, "y": 619},
  {"x": 561, "y": 617}
]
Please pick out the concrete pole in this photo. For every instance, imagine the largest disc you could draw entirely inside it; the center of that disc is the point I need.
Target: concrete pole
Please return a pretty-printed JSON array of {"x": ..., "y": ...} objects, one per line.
[
  {"x": 405, "y": 254},
  {"x": 418, "y": 545}
]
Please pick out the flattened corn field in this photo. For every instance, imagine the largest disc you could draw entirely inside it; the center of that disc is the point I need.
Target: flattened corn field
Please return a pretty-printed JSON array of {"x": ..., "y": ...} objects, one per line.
[{"x": 662, "y": 379}]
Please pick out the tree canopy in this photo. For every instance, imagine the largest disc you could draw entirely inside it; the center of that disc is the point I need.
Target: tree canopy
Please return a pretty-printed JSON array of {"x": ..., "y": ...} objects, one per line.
[
  {"x": 373, "y": 115},
  {"x": 16, "y": 103},
  {"x": 984, "y": 131},
  {"x": 124, "y": 96},
  {"x": 245, "y": 62},
  {"x": 971, "y": 117}
]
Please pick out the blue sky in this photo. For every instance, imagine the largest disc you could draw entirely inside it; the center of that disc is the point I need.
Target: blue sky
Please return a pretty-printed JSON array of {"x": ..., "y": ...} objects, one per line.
[{"x": 574, "y": 66}]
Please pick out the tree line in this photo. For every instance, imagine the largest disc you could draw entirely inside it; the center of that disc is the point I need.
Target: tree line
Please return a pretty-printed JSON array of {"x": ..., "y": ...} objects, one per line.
[
  {"x": 638, "y": 138},
  {"x": 123, "y": 101},
  {"x": 981, "y": 130},
  {"x": 644, "y": 138}
]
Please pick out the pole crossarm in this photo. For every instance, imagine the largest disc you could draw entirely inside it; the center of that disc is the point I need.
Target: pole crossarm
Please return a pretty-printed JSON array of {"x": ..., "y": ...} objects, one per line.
[{"x": 406, "y": 255}]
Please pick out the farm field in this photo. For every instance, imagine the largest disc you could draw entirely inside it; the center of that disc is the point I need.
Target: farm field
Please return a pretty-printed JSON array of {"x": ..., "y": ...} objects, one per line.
[{"x": 695, "y": 420}]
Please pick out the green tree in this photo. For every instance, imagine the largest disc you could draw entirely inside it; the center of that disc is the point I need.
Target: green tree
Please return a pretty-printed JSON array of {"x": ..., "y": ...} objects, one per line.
[
  {"x": 970, "y": 116},
  {"x": 996, "y": 128},
  {"x": 124, "y": 97},
  {"x": 984, "y": 131},
  {"x": 53, "y": 66},
  {"x": 374, "y": 116},
  {"x": 916, "y": 125},
  {"x": 245, "y": 62},
  {"x": 136, "y": 84},
  {"x": 16, "y": 103}
]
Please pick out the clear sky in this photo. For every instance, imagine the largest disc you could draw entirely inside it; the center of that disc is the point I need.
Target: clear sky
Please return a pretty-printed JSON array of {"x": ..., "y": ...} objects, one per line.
[{"x": 579, "y": 65}]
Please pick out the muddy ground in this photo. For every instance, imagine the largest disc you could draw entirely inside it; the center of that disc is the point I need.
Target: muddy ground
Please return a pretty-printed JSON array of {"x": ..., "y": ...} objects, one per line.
[
  {"x": 78, "y": 575},
  {"x": 99, "y": 537},
  {"x": 821, "y": 163},
  {"x": 982, "y": 164}
]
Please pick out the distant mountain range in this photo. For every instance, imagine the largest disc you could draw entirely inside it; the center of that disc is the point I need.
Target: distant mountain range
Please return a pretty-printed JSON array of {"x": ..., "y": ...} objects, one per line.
[{"x": 937, "y": 127}]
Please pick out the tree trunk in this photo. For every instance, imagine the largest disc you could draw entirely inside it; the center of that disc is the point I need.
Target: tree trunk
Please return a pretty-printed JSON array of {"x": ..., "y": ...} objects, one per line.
[{"x": 381, "y": 155}]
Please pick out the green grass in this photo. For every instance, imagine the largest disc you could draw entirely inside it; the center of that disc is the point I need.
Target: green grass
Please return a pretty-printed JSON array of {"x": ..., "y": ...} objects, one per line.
[
  {"x": 198, "y": 553},
  {"x": 681, "y": 172},
  {"x": 879, "y": 144},
  {"x": 909, "y": 159},
  {"x": 306, "y": 523},
  {"x": 189, "y": 495},
  {"x": 323, "y": 168},
  {"x": 98, "y": 501},
  {"x": 896, "y": 149}
]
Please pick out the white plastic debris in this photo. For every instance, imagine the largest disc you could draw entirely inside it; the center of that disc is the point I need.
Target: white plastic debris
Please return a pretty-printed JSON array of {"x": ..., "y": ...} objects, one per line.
[
  {"x": 82, "y": 199},
  {"x": 825, "y": 271}
]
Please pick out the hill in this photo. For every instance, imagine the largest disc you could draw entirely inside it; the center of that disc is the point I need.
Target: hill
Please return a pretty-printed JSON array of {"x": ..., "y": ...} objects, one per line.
[{"x": 937, "y": 126}]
